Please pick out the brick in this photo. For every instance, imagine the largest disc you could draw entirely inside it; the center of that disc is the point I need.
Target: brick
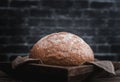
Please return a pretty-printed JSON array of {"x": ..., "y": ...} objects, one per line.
[
  {"x": 81, "y": 4},
  {"x": 13, "y": 13},
  {"x": 63, "y": 12},
  {"x": 4, "y": 27},
  {"x": 85, "y": 32},
  {"x": 42, "y": 31},
  {"x": 60, "y": 29},
  {"x": 23, "y": 3},
  {"x": 4, "y": 40},
  {"x": 17, "y": 39},
  {"x": 104, "y": 49},
  {"x": 107, "y": 57},
  {"x": 113, "y": 23},
  {"x": 3, "y": 22},
  {"x": 78, "y": 31},
  {"x": 33, "y": 21},
  {"x": 107, "y": 1},
  {"x": 87, "y": 39},
  {"x": 40, "y": 12},
  {"x": 114, "y": 14},
  {"x": 18, "y": 13},
  {"x": 104, "y": 32},
  {"x": 118, "y": 59},
  {"x": 3, "y": 58},
  {"x": 94, "y": 48},
  {"x": 114, "y": 40},
  {"x": 14, "y": 32},
  {"x": 33, "y": 39},
  {"x": 15, "y": 3},
  {"x": 96, "y": 14},
  {"x": 14, "y": 49},
  {"x": 97, "y": 22},
  {"x": 12, "y": 39},
  {"x": 117, "y": 3},
  {"x": 47, "y": 23},
  {"x": 57, "y": 4},
  {"x": 101, "y": 5},
  {"x": 14, "y": 22},
  {"x": 100, "y": 39},
  {"x": 4, "y": 3},
  {"x": 4, "y": 13},
  {"x": 37, "y": 31},
  {"x": 75, "y": 13},
  {"x": 81, "y": 23},
  {"x": 115, "y": 32},
  {"x": 17, "y": 25},
  {"x": 115, "y": 48},
  {"x": 64, "y": 23}
]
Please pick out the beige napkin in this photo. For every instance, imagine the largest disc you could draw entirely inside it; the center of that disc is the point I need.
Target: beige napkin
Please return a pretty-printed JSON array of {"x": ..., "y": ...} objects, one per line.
[
  {"x": 106, "y": 66},
  {"x": 23, "y": 60}
]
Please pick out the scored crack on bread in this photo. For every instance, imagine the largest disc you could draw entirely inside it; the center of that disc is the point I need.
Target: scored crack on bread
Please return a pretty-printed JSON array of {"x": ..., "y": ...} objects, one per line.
[{"x": 62, "y": 48}]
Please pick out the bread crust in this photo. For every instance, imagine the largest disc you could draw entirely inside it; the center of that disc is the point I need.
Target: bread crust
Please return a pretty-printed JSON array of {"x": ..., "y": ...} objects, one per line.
[{"x": 62, "y": 48}]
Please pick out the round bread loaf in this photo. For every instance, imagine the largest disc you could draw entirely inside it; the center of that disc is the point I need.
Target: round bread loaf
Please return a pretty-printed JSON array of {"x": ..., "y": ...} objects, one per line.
[{"x": 62, "y": 48}]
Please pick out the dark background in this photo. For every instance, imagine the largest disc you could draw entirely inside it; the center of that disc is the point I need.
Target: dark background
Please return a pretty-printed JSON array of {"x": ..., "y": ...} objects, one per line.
[{"x": 24, "y": 22}]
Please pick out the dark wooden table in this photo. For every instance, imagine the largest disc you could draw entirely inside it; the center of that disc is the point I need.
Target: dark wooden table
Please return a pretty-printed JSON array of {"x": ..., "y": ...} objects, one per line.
[{"x": 5, "y": 77}]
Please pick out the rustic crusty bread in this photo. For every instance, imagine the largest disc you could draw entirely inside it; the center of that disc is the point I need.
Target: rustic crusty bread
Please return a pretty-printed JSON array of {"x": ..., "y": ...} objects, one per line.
[{"x": 62, "y": 48}]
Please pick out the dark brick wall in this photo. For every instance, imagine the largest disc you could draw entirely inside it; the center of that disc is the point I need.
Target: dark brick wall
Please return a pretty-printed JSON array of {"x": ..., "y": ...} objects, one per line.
[{"x": 23, "y": 22}]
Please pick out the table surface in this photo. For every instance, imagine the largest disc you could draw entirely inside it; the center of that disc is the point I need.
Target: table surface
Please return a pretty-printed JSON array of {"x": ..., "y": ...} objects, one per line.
[{"x": 6, "y": 78}]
